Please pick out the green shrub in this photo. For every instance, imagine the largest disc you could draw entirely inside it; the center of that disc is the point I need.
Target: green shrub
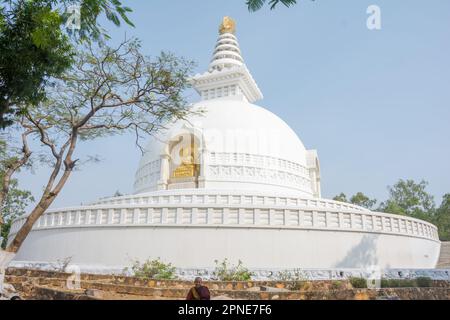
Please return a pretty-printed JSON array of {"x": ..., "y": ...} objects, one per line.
[
  {"x": 393, "y": 283},
  {"x": 424, "y": 282},
  {"x": 225, "y": 272},
  {"x": 406, "y": 283},
  {"x": 358, "y": 283},
  {"x": 152, "y": 269},
  {"x": 396, "y": 283}
]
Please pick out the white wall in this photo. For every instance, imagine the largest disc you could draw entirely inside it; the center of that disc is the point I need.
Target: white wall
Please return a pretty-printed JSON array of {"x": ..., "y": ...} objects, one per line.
[{"x": 198, "y": 247}]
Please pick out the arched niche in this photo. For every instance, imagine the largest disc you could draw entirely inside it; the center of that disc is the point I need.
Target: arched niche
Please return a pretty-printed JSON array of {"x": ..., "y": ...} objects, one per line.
[{"x": 184, "y": 161}]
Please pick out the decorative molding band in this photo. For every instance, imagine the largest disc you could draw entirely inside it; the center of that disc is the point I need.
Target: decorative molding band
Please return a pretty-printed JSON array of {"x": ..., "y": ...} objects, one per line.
[
  {"x": 258, "y": 175},
  {"x": 233, "y": 211},
  {"x": 232, "y": 166},
  {"x": 258, "y": 274},
  {"x": 217, "y": 197},
  {"x": 258, "y": 161}
]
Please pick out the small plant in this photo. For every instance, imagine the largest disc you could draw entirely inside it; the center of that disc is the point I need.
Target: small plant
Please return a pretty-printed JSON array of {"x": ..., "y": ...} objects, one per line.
[
  {"x": 336, "y": 285},
  {"x": 284, "y": 275},
  {"x": 295, "y": 279},
  {"x": 225, "y": 272},
  {"x": 152, "y": 269},
  {"x": 62, "y": 264},
  {"x": 358, "y": 283}
]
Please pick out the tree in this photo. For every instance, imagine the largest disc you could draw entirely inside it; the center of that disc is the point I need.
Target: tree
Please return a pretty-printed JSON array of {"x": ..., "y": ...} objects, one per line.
[
  {"x": 34, "y": 46},
  {"x": 107, "y": 91},
  {"x": 341, "y": 197},
  {"x": 360, "y": 199},
  {"x": 442, "y": 218},
  {"x": 411, "y": 199},
  {"x": 255, "y": 5}
]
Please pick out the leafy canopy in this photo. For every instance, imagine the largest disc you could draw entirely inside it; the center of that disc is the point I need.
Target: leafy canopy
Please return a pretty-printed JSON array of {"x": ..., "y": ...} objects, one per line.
[
  {"x": 255, "y": 5},
  {"x": 359, "y": 199},
  {"x": 341, "y": 197},
  {"x": 34, "y": 46},
  {"x": 12, "y": 207},
  {"x": 442, "y": 219},
  {"x": 407, "y": 197}
]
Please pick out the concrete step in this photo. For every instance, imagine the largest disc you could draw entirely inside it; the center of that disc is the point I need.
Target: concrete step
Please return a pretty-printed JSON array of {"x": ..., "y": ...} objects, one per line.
[
  {"x": 49, "y": 276},
  {"x": 46, "y": 292},
  {"x": 444, "y": 259}
]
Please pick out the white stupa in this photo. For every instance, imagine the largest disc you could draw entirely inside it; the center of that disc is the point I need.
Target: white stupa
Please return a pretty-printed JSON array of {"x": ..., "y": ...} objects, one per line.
[{"x": 233, "y": 182}]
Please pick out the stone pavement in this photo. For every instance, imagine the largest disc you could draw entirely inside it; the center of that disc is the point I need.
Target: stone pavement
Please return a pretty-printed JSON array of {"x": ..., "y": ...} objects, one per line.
[{"x": 36, "y": 284}]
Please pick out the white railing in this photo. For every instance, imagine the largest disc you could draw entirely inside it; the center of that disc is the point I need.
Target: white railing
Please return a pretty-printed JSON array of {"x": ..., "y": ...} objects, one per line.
[
  {"x": 217, "y": 197},
  {"x": 231, "y": 210}
]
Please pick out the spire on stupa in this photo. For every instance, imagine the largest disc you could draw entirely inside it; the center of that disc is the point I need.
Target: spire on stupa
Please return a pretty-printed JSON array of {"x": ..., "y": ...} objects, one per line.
[
  {"x": 227, "y": 76},
  {"x": 227, "y": 52}
]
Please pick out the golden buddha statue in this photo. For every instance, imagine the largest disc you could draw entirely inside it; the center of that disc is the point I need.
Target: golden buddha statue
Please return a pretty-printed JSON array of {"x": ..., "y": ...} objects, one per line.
[
  {"x": 188, "y": 167},
  {"x": 228, "y": 26}
]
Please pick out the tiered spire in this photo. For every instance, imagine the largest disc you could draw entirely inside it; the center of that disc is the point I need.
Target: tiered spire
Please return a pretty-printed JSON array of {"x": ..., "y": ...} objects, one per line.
[
  {"x": 226, "y": 53},
  {"x": 227, "y": 75}
]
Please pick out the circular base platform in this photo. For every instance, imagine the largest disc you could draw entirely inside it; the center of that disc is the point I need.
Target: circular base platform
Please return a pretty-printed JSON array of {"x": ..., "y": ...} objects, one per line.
[{"x": 193, "y": 228}]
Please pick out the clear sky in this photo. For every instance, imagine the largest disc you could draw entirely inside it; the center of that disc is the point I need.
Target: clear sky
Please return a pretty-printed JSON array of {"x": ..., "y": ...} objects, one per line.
[{"x": 375, "y": 104}]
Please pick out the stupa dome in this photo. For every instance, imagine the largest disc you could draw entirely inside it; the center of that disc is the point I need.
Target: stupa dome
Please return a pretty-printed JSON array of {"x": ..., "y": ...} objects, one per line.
[{"x": 244, "y": 146}]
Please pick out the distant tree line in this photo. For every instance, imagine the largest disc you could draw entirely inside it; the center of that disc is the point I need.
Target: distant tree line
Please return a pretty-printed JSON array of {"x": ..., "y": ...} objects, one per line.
[{"x": 408, "y": 198}]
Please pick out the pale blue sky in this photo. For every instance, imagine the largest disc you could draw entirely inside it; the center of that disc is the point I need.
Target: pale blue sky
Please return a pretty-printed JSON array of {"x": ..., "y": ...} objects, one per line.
[{"x": 375, "y": 104}]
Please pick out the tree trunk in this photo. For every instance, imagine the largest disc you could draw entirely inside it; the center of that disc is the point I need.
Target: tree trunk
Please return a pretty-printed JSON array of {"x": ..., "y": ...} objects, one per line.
[
  {"x": 5, "y": 259},
  {"x": 45, "y": 202},
  {"x": 23, "y": 232}
]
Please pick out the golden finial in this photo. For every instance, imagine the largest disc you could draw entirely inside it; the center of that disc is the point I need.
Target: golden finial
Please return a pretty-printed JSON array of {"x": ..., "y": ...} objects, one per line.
[{"x": 228, "y": 26}]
